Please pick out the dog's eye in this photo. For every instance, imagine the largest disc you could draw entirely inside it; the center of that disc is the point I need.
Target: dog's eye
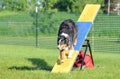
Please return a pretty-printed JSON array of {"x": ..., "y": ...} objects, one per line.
[
  {"x": 67, "y": 41},
  {"x": 62, "y": 40}
]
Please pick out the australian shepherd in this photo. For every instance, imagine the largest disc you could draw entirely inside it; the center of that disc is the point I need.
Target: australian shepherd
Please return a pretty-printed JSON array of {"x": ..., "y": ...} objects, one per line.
[{"x": 67, "y": 38}]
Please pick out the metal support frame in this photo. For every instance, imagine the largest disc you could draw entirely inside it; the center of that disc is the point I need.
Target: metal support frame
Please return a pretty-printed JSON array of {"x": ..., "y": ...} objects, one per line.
[{"x": 86, "y": 48}]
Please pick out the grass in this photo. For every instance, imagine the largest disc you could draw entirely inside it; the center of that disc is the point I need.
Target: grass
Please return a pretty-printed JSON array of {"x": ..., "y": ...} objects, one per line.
[
  {"x": 44, "y": 42},
  {"x": 28, "y": 62},
  {"x": 99, "y": 44}
]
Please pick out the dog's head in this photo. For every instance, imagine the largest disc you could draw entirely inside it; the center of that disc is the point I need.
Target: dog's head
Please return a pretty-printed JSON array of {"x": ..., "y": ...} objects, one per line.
[{"x": 63, "y": 41}]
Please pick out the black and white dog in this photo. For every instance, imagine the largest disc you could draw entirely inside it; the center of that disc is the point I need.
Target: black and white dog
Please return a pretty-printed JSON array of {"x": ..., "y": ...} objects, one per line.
[{"x": 67, "y": 37}]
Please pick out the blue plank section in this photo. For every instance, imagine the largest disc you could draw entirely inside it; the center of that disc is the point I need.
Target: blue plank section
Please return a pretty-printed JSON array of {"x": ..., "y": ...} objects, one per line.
[{"x": 83, "y": 29}]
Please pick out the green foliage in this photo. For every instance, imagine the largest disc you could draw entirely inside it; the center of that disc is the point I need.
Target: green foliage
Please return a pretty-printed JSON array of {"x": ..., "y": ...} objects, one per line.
[
  {"x": 78, "y": 5},
  {"x": 49, "y": 5},
  {"x": 69, "y": 5},
  {"x": 64, "y": 5},
  {"x": 15, "y": 5}
]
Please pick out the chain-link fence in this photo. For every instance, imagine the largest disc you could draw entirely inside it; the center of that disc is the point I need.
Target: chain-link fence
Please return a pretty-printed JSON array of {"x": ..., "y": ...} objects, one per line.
[{"x": 104, "y": 34}]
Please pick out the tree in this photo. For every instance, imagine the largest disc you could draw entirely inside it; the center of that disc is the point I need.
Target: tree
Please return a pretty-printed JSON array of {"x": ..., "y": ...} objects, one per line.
[
  {"x": 75, "y": 5},
  {"x": 78, "y": 6},
  {"x": 15, "y": 5},
  {"x": 48, "y": 4},
  {"x": 1, "y": 5},
  {"x": 64, "y": 5}
]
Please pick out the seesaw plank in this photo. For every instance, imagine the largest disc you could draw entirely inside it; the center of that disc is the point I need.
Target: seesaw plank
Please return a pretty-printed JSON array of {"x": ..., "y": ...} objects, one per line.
[
  {"x": 83, "y": 29},
  {"x": 89, "y": 13},
  {"x": 66, "y": 66}
]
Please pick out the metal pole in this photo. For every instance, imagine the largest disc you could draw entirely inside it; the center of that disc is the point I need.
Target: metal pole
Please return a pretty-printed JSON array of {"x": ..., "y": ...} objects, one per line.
[
  {"x": 36, "y": 26},
  {"x": 86, "y": 47},
  {"x": 90, "y": 52},
  {"x": 118, "y": 9},
  {"x": 108, "y": 7}
]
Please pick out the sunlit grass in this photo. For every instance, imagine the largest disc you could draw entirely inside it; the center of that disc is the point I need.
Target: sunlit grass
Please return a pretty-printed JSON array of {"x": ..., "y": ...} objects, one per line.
[{"x": 28, "y": 62}]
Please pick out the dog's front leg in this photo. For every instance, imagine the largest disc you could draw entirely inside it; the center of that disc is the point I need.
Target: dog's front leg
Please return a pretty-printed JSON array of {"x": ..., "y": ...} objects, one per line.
[
  {"x": 71, "y": 51},
  {"x": 62, "y": 56}
]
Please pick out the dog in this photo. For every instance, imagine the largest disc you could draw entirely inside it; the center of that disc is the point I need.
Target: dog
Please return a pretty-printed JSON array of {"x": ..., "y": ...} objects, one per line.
[{"x": 67, "y": 38}]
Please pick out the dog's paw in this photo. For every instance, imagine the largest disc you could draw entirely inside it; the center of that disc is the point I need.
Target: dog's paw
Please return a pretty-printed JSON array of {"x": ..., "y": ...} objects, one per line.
[
  {"x": 69, "y": 56},
  {"x": 62, "y": 61},
  {"x": 70, "y": 53}
]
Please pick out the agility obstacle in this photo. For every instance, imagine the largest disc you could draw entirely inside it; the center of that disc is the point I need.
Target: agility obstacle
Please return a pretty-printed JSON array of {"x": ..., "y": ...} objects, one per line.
[{"x": 84, "y": 24}]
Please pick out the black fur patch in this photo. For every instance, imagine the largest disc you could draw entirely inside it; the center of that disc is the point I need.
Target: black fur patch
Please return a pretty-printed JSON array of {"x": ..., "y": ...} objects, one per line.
[{"x": 70, "y": 28}]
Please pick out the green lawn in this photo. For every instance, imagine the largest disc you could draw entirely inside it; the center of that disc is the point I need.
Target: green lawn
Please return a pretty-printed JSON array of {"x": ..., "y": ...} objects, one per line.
[{"x": 28, "y": 62}]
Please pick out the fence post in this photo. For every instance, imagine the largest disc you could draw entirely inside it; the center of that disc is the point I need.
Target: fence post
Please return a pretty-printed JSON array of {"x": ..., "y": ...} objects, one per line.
[
  {"x": 93, "y": 38},
  {"x": 36, "y": 26}
]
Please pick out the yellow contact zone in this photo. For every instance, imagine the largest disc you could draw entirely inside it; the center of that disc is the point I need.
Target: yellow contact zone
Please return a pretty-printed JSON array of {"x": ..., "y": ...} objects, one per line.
[{"x": 66, "y": 66}]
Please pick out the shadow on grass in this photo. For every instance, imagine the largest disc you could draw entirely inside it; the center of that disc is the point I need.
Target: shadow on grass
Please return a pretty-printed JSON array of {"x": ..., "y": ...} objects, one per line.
[{"x": 38, "y": 64}]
